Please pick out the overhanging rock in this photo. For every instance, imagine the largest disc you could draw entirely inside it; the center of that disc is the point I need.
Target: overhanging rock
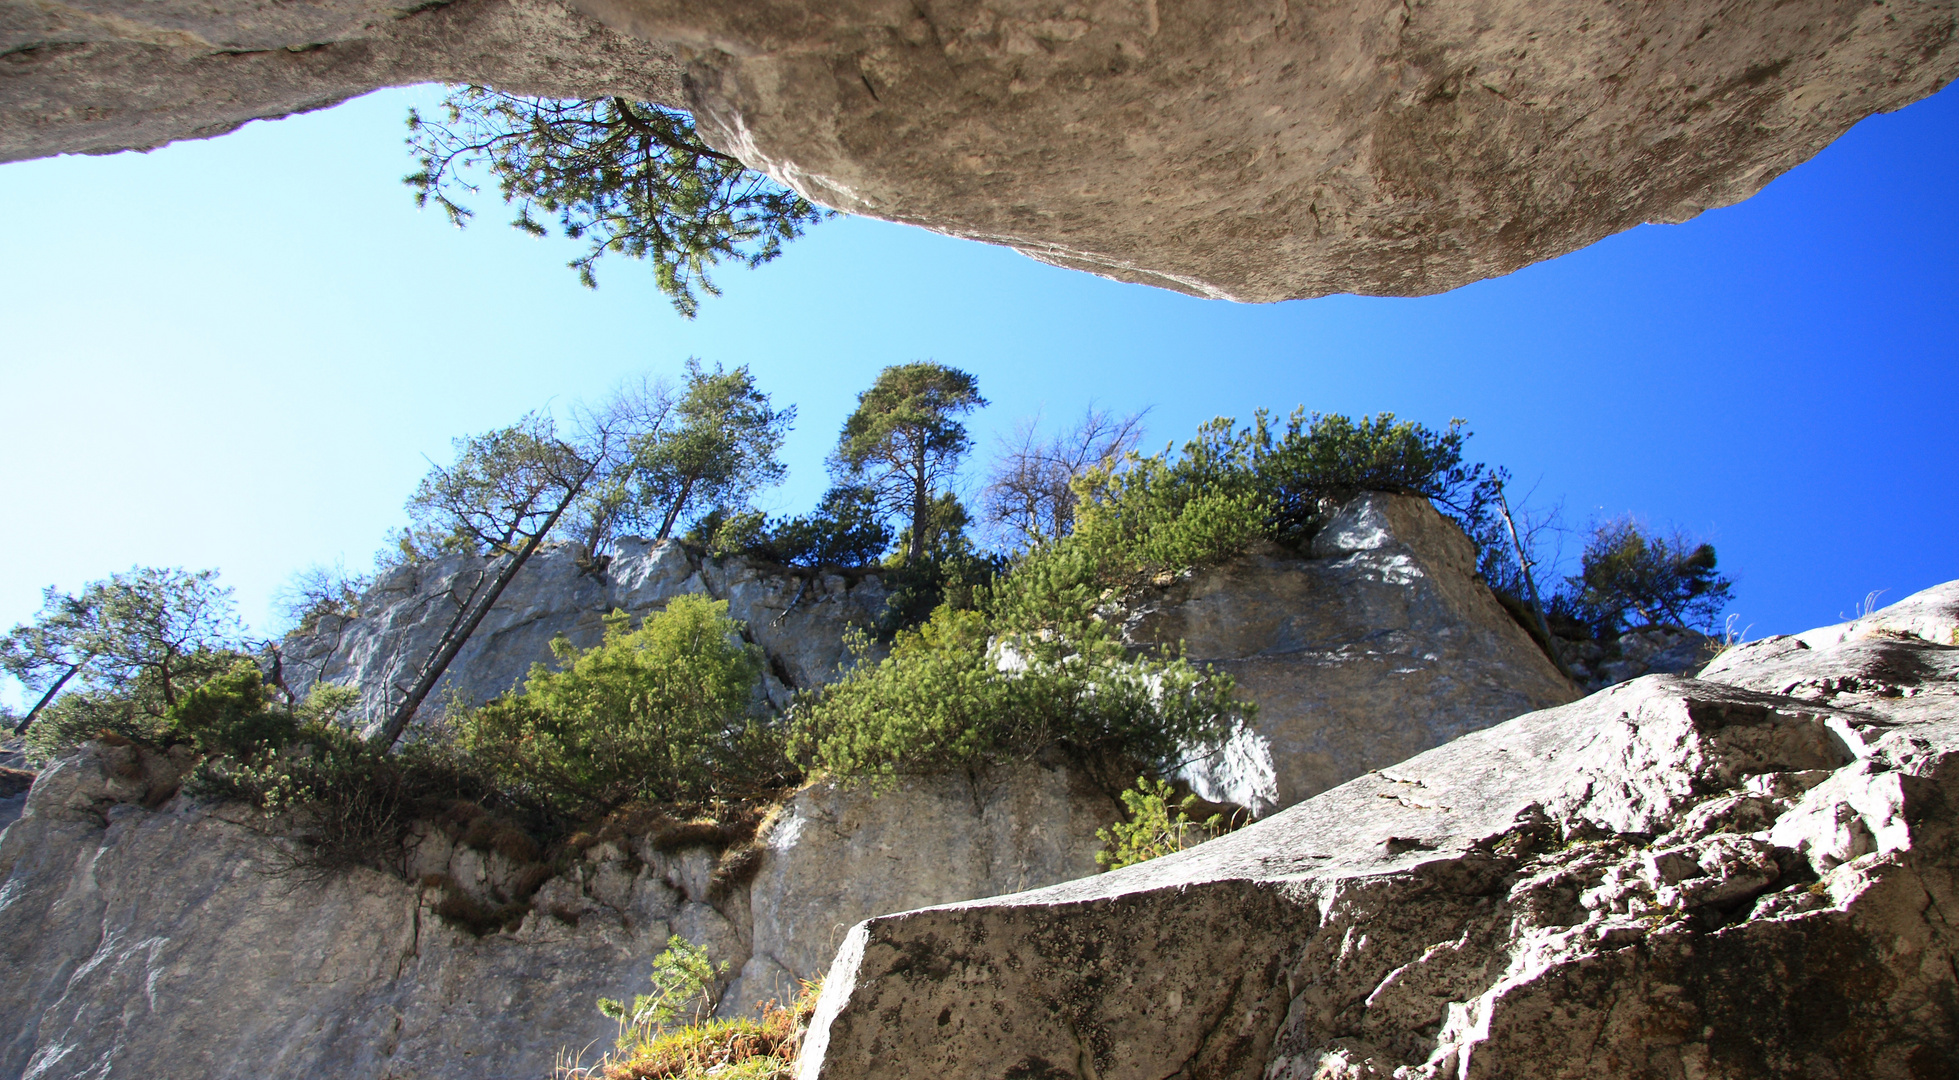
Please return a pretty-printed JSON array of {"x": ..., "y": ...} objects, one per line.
[
  {"x": 1744, "y": 875},
  {"x": 1226, "y": 148}
]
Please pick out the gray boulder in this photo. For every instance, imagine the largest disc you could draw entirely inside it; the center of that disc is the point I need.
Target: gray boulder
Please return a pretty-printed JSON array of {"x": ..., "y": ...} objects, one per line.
[
  {"x": 1380, "y": 644},
  {"x": 1225, "y": 148},
  {"x": 1743, "y": 875}
]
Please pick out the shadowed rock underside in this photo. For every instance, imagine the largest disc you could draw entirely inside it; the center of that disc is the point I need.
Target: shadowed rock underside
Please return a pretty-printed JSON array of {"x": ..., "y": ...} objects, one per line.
[{"x": 1226, "y": 148}]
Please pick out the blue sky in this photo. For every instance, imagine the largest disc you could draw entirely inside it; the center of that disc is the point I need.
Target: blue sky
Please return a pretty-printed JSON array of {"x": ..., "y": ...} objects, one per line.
[{"x": 237, "y": 353}]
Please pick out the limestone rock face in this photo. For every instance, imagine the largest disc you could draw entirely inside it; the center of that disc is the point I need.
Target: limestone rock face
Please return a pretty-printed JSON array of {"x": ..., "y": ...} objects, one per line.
[
  {"x": 1744, "y": 875},
  {"x": 1380, "y": 645},
  {"x": 799, "y": 618},
  {"x": 96, "y": 76},
  {"x": 833, "y": 858},
  {"x": 164, "y": 944},
  {"x": 1226, "y": 148}
]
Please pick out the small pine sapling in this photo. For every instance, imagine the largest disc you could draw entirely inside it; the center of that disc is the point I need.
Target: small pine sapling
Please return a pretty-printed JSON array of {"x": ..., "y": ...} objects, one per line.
[
  {"x": 1158, "y": 825},
  {"x": 683, "y": 977}
]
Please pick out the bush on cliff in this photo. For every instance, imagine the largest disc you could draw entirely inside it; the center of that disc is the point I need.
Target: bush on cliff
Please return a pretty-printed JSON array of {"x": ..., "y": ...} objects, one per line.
[
  {"x": 664, "y": 713},
  {"x": 1232, "y": 487},
  {"x": 955, "y": 695}
]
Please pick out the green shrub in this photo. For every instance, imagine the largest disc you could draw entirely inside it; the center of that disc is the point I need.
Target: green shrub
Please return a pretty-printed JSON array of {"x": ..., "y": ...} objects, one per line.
[
  {"x": 734, "y": 1049},
  {"x": 1231, "y": 486},
  {"x": 953, "y": 696},
  {"x": 847, "y": 529},
  {"x": 663, "y": 713},
  {"x": 229, "y": 714},
  {"x": 1156, "y": 515},
  {"x": 1158, "y": 825},
  {"x": 134, "y": 707}
]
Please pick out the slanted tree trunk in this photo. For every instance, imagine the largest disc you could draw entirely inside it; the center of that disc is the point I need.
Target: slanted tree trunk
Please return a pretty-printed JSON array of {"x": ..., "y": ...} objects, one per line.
[
  {"x": 466, "y": 622},
  {"x": 28, "y": 720},
  {"x": 1526, "y": 564},
  {"x": 673, "y": 512}
]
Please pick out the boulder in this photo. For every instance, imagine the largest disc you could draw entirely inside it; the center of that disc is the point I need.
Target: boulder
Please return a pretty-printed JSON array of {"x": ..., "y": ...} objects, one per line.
[
  {"x": 1743, "y": 875},
  {"x": 835, "y": 856},
  {"x": 1225, "y": 148},
  {"x": 1378, "y": 644},
  {"x": 184, "y": 943}
]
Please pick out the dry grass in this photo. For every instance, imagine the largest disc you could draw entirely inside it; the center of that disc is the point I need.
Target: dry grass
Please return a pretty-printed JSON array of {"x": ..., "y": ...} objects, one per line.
[{"x": 741, "y": 1049}]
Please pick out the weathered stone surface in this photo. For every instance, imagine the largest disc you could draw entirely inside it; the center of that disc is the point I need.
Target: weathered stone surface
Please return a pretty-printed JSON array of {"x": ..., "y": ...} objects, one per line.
[
  {"x": 799, "y": 618},
  {"x": 1226, "y": 148},
  {"x": 95, "y": 76},
  {"x": 833, "y": 858},
  {"x": 1744, "y": 875},
  {"x": 1382, "y": 644},
  {"x": 160, "y": 943}
]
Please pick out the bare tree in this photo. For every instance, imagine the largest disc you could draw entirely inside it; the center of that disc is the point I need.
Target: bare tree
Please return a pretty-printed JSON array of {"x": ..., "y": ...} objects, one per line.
[
  {"x": 622, "y": 426},
  {"x": 1029, "y": 498}
]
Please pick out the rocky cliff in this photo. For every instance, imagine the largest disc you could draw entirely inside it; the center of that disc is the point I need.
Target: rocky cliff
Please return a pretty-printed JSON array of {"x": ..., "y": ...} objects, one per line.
[
  {"x": 1378, "y": 644},
  {"x": 150, "y": 936},
  {"x": 1749, "y": 874},
  {"x": 798, "y": 617},
  {"x": 1228, "y": 148}
]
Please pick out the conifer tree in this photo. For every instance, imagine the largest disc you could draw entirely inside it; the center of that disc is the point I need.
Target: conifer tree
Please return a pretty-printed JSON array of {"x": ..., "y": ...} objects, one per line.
[
  {"x": 626, "y": 177},
  {"x": 904, "y": 444}
]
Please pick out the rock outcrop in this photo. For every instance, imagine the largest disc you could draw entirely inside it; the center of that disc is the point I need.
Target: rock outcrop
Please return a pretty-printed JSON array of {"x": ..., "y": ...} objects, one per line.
[
  {"x": 798, "y": 617},
  {"x": 1745, "y": 875},
  {"x": 1226, "y": 148},
  {"x": 147, "y": 935},
  {"x": 1381, "y": 644}
]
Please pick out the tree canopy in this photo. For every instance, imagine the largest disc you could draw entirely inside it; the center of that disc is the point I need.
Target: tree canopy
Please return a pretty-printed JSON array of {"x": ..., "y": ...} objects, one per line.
[
  {"x": 506, "y": 492},
  {"x": 628, "y": 177},
  {"x": 1628, "y": 571},
  {"x": 133, "y": 643},
  {"x": 903, "y": 442},
  {"x": 719, "y": 450}
]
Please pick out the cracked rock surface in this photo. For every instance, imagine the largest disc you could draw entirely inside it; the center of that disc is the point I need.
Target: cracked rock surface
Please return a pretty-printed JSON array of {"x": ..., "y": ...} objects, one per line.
[
  {"x": 1244, "y": 149},
  {"x": 148, "y": 936},
  {"x": 1748, "y": 874}
]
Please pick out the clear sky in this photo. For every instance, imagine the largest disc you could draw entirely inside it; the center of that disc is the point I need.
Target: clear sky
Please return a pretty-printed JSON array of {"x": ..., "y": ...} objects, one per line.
[{"x": 237, "y": 353}]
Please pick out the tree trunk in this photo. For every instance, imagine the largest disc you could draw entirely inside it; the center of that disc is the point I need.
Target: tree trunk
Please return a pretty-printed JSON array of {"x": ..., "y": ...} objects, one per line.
[
  {"x": 920, "y": 506},
  {"x": 466, "y": 622},
  {"x": 673, "y": 512},
  {"x": 1524, "y": 563},
  {"x": 21, "y": 728}
]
